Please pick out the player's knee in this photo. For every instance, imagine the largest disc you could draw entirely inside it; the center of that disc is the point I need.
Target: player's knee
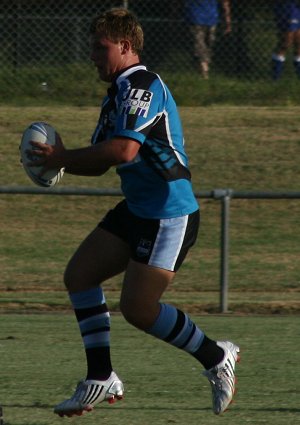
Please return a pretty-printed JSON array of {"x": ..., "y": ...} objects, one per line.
[
  {"x": 68, "y": 280},
  {"x": 128, "y": 312},
  {"x": 133, "y": 315},
  {"x": 72, "y": 280}
]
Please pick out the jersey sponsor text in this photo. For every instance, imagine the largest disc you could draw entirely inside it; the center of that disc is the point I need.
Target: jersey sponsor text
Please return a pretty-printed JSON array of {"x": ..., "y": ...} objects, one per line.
[{"x": 136, "y": 102}]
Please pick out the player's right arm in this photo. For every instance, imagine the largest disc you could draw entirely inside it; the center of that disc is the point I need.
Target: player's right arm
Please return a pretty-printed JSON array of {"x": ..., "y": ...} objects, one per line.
[{"x": 93, "y": 160}]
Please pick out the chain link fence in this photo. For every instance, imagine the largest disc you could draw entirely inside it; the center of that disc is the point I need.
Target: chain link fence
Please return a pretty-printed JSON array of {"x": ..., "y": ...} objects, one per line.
[{"x": 44, "y": 44}]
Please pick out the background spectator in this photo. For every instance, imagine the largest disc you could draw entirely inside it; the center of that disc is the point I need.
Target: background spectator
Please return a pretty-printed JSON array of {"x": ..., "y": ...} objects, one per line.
[
  {"x": 287, "y": 16},
  {"x": 203, "y": 17}
]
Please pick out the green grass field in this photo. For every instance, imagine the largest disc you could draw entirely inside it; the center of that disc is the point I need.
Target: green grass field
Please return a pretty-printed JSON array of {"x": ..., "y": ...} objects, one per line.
[
  {"x": 244, "y": 148},
  {"x": 82, "y": 87},
  {"x": 42, "y": 359}
]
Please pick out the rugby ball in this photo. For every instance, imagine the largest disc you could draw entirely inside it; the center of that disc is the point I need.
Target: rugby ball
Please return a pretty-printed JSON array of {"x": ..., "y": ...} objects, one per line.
[{"x": 43, "y": 133}]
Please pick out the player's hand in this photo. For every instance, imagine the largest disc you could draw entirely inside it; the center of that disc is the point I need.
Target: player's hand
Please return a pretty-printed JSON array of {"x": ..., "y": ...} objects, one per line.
[{"x": 46, "y": 155}]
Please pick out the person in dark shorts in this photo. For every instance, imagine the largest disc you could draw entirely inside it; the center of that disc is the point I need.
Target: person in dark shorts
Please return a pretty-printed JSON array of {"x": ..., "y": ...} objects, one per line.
[
  {"x": 148, "y": 234},
  {"x": 287, "y": 17}
]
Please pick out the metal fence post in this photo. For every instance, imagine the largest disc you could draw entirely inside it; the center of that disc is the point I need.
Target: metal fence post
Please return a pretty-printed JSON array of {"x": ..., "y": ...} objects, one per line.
[{"x": 224, "y": 195}]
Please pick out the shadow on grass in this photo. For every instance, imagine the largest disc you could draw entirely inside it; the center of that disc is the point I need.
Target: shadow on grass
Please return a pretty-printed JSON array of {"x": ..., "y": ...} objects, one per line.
[
  {"x": 102, "y": 407},
  {"x": 277, "y": 409}
]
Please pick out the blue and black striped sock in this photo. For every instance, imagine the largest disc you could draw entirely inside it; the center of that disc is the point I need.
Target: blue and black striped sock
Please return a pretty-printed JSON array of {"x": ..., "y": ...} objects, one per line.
[
  {"x": 176, "y": 328},
  {"x": 94, "y": 323}
]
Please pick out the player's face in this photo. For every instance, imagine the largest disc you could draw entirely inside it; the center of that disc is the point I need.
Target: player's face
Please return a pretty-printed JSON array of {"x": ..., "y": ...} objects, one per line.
[{"x": 107, "y": 57}]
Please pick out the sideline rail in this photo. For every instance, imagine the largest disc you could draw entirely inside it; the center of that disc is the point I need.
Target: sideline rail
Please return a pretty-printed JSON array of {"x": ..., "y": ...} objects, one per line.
[{"x": 222, "y": 195}]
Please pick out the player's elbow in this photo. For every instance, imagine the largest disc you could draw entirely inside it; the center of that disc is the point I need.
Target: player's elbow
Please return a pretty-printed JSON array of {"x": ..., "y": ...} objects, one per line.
[
  {"x": 128, "y": 150},
  {"x": 127, "y": 157}
]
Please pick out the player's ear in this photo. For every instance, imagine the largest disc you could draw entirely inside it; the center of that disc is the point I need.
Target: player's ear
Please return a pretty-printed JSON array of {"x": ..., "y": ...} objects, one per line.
[{"x": 125, "y": 46}]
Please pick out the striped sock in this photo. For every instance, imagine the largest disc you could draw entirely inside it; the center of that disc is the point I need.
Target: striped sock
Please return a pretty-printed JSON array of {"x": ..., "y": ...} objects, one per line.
[
  {"x": 94, "y": 323},
  {"x": 176, "y": 328}
]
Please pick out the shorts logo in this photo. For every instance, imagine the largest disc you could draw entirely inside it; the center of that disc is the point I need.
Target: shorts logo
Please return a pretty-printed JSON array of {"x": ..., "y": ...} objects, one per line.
[
  {"x": 144, "y": 248},
  {"x": 136, "y": 102}
]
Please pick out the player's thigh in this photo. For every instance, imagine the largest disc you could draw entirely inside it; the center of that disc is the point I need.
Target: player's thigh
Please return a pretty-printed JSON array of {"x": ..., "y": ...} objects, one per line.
[
  {"x": 100, "y": 256},
  {"x": 142, "y": 289},
  {"x": 158, "y": 248}
]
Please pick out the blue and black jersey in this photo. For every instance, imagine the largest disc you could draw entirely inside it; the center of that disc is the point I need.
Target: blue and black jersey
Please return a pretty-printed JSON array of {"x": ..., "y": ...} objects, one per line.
[{"x": 139, "y": 106}]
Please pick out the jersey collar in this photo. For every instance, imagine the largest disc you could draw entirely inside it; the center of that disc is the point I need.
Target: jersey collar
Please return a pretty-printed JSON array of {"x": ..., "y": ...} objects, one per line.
[
  {"x": 127, "y": 71},
  {"x": 111, "y": 91}
]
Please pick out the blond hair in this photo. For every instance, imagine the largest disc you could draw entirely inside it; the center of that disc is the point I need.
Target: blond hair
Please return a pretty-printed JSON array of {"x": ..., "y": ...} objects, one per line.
[{"x": 119, "y": 24}]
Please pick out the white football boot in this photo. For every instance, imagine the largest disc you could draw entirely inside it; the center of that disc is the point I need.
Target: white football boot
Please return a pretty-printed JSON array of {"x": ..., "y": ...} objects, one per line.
[
  {"x": 221, "y": 377},
  {"x": 89, "y": 393}
]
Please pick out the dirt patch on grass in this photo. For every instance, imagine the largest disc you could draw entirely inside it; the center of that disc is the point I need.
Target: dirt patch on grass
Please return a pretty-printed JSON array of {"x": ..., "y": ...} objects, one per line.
[{"x": 53, "y": 301}]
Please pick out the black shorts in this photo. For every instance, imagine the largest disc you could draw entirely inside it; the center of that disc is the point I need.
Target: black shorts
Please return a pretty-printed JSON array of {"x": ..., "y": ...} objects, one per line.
[{"x": 161, "y": 243}]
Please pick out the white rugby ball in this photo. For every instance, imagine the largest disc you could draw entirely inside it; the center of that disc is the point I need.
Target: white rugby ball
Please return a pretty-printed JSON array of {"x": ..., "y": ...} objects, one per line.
[{"x": 43, "y": 133}]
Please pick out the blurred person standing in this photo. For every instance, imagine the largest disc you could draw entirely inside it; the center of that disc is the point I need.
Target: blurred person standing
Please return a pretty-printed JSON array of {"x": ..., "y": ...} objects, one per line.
[
  {"x": 287, "y": 17},
  {"x": 203, "y": 17}
]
